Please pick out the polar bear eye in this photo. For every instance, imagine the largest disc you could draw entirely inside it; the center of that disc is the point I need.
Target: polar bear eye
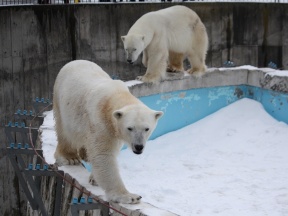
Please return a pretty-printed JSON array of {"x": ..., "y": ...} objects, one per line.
[
  {"x": 130, "y": 128},
  {"x": 146, "y": 129},
  {"x": 134, "y": 49}
]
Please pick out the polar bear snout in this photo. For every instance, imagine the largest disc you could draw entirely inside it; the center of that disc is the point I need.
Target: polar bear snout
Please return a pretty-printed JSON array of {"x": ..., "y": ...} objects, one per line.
[{"x": 137, "y": 148}]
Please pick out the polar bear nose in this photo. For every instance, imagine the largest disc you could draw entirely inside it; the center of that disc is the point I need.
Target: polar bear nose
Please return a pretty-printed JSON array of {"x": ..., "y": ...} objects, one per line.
[
  {"x": 139, "y": 147},
  {"x": 129, "y": 61}
]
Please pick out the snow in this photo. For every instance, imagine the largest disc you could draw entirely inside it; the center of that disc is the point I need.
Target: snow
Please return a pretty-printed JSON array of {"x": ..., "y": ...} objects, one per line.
[
  {"x": 247, "y": 67},
  {"x": 132, "y": 83},
  {"x": 280, "y": 73},
  {"x": 269, "y": 71},
  {"x": 233, "y": 162}
]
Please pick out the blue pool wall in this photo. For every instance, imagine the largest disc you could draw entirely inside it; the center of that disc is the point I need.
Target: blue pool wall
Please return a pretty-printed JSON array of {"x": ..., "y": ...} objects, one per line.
[
  {"x": 185, "y": 107},
  {"x": 275, "y": 103}
]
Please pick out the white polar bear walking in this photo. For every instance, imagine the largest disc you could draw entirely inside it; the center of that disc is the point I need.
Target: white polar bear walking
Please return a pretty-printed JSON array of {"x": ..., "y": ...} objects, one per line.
[
  {"x": 167, "y": 37},
  {"x": 94, "y": 115}
]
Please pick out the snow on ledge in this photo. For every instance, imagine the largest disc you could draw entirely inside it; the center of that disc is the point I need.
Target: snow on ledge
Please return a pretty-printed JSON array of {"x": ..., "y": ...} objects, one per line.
[
  {"x": 279, "y": 73},
  {"x": 247, "y": 67}
]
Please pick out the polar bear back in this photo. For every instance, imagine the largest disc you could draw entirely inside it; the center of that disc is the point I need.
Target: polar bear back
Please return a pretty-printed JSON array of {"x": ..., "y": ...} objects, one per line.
[
  {"x": 82, "y": 85},
  {"x": 84, "y": 77},
  {"x": 82, "y": 74},
  {"x": 177, "y": 23}
]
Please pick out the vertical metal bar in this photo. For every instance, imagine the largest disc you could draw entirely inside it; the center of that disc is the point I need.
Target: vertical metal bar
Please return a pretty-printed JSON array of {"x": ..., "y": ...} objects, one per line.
[
  {"x": 37, "y": 179},
  {"x": 23, "y": 182},
  {"x": 34, "y": 189},
  {"x": 8, "y": 133},
  {"x": 74, "y": 210},
  {"x": 105, "y": 210},
  {"x": 58, "y": 197}
]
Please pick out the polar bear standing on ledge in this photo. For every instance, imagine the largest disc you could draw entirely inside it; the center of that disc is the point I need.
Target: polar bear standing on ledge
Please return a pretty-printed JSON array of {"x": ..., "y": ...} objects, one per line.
[
  {"x": 97, "y": 114},
  {"x": 168, "y": 35}
]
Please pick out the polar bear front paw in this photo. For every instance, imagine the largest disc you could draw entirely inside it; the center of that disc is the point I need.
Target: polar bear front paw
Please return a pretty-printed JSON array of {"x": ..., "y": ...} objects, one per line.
[
  {"x": 149, "y": 79},
  {"x": 92, "y": 180},
  {"x": 61, "y": 161},
  {"x": 197, "y": 72},
  {"x": 172, "y": 69},
  {"x": 139, "y": 78},
  {"x": 127, "y": 198}
]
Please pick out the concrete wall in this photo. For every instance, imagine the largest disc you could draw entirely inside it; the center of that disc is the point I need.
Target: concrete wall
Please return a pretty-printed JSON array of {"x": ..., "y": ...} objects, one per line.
[{"x": 36, "y": 41}]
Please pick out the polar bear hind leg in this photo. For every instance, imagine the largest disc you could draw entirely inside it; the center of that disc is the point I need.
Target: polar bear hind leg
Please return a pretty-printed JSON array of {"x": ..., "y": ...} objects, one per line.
[
  {"x": 198, "y": 65},
  {"x": 175, "y": 63},
  {"x": 197, "y": 53},
  {"x": 64, "y": 154}
]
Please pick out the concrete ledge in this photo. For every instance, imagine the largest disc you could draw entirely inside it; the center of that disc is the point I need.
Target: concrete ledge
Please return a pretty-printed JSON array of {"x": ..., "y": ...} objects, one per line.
[{"x": 259, "y": 77}]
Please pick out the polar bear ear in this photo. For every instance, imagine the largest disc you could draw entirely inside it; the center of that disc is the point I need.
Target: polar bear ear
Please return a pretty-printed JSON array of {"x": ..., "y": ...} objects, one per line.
[
  {"x": 123, "y": 38},
  {"x": 158, "y": 114},
  {"x": 118, "y": 114}
]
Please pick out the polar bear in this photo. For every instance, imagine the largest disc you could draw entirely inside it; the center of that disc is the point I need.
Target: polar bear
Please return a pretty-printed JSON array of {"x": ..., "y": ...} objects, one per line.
[
  {"x": 166, "y": 37},
  {"x": 98, "y": 114}
]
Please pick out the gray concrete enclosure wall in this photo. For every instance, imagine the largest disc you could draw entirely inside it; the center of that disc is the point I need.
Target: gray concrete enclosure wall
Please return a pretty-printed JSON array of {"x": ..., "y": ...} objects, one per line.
[{"x": 36, "y": 41}]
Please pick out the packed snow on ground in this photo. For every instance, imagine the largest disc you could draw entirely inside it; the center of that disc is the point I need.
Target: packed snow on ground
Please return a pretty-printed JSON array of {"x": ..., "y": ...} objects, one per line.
[{"x": 233, "y": 162}]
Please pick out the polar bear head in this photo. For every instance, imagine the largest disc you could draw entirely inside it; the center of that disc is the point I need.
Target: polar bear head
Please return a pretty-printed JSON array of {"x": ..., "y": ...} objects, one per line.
[
  {"x": 133, "y": 45},
  {"x": 135, "y": 124}
]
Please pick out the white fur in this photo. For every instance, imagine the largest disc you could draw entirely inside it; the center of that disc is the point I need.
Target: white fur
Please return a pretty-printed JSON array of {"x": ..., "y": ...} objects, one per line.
[
  {"x": 167, "y": 36},
  {"x": 95, "y": 113}
]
